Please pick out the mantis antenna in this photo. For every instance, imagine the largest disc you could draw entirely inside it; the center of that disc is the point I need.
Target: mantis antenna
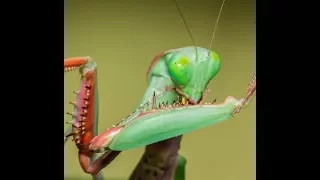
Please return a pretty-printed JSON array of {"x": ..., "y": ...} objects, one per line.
[
  {"x": 215, "y": 26},
  {"x": 185, "y": 23}
]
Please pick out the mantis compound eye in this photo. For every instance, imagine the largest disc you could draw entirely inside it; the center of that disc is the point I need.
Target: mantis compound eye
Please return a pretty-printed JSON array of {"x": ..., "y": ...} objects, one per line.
[
  {"x": 180, "y": 69},
  {"x": 214, "y": 64}
]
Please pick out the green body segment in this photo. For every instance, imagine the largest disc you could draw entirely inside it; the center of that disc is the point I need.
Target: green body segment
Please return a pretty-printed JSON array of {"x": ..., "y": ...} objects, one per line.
[
  {"x": 165, "y": 124},
  {"x": 157, "y": 87}
]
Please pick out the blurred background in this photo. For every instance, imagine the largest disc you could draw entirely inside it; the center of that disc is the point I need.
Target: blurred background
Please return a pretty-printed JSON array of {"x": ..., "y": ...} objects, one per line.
[{"x": 124, "y": 36}]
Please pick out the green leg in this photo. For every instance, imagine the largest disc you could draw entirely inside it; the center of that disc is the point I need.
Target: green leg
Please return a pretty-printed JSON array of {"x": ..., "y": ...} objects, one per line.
[{"x": 180, "y": 172}]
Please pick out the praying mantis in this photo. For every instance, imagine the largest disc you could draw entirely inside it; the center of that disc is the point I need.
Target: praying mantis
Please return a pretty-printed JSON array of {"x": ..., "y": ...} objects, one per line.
[{"x": 171, "y": 106}]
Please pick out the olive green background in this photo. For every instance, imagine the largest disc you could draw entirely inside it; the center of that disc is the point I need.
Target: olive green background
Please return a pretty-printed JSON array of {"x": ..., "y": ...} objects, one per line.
[{"x": 123, "y": 36}]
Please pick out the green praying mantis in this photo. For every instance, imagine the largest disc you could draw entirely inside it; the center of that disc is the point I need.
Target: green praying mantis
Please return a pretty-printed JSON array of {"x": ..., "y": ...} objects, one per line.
[{"x": 172, "y": 105}]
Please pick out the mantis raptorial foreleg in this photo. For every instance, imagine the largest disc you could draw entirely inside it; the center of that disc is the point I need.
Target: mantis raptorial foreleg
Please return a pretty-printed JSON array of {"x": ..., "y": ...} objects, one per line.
[{"x": 87, "y": 66}]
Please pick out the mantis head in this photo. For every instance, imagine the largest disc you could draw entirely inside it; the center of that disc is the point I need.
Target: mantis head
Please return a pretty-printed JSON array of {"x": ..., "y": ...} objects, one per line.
[
  {"x": 190, "y": 69},
  {"x": 191, "y": 72}
]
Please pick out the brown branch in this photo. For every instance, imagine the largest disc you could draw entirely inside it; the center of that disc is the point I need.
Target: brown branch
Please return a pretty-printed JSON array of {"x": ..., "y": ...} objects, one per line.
[{"x": 159, "y": 161}]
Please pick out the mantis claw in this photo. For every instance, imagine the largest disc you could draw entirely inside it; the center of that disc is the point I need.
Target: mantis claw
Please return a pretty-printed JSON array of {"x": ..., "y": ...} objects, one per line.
[{"x": 250, "y": 93}]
